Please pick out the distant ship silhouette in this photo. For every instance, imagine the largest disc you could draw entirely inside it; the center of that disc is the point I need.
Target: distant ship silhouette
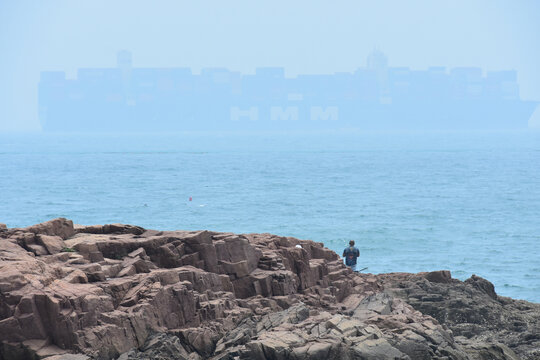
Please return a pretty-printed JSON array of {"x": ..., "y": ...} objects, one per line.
[{"x": 376, "y": 97}]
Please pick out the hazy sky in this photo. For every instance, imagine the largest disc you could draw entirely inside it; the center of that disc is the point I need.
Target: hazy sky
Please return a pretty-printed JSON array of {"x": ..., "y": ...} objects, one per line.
[{"x": 304, "y": 36}]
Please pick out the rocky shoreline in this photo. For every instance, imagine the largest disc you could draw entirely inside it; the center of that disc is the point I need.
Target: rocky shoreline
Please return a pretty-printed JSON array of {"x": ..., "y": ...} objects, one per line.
[{"x": 123, "y": 292}]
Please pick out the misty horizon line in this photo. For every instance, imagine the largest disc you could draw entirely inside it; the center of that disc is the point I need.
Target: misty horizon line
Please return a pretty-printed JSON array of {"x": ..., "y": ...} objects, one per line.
[{"x": 305, "y": 132}]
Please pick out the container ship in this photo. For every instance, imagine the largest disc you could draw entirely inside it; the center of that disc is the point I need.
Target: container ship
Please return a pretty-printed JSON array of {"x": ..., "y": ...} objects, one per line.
[{"x": 372, "y": 98}]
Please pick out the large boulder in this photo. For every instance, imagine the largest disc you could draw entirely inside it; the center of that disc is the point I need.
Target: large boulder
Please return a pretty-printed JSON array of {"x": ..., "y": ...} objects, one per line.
[{"x": 58, "y": 227}]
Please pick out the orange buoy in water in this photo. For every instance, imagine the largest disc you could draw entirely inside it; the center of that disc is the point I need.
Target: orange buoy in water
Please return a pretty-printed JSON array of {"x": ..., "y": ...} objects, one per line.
[{"x": 190, "y": 198}]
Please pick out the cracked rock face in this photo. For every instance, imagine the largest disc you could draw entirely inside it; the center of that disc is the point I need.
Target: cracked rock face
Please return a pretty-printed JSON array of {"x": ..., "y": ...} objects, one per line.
[
  {"x": 479, "y": 319},
  {"x": 122, "y": 292}
]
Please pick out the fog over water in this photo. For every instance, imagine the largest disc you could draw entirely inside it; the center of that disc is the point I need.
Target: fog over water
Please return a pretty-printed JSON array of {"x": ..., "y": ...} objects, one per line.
[{"x": 304, "y": 37}]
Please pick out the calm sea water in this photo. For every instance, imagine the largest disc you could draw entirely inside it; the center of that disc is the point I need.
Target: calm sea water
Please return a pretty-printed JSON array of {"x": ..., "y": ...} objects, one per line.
[{"x": 469, "y": 203}]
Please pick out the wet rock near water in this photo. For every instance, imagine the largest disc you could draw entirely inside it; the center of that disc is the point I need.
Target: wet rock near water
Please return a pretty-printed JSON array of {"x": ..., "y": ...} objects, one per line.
[
  {"x": 478, "y": 317},
  {"x": 123, "y": 292}
]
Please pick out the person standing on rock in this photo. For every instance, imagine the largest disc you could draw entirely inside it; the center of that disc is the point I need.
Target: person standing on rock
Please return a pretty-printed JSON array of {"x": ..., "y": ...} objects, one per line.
[{"x": 351, "y": 253}]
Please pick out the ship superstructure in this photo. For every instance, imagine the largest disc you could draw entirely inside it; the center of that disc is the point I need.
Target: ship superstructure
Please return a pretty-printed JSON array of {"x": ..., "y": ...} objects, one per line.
[{"x": 374, "y": 97}]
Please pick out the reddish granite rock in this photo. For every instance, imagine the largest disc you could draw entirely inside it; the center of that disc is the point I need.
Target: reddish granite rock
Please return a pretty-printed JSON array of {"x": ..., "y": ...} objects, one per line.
[
  {"x": 53, "y": 244},
  {"x": 121, "y": 290},
  {"x": 57, "y": 227}
]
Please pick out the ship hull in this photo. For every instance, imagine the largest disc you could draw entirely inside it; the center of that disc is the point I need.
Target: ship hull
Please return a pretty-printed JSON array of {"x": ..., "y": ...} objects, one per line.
[{"x": 193, "y": 115}]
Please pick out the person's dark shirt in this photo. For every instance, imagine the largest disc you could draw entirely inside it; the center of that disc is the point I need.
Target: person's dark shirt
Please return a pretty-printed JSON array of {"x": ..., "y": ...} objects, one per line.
[{"x": 351, "y": 253}]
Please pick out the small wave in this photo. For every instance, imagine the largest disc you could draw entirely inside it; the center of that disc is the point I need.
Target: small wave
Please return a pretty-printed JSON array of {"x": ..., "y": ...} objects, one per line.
[{"x": 513, "y": 286}]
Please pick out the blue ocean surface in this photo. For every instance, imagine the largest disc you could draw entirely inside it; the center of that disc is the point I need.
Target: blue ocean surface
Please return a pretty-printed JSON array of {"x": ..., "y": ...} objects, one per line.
[{"x": 469, "y": 203}]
